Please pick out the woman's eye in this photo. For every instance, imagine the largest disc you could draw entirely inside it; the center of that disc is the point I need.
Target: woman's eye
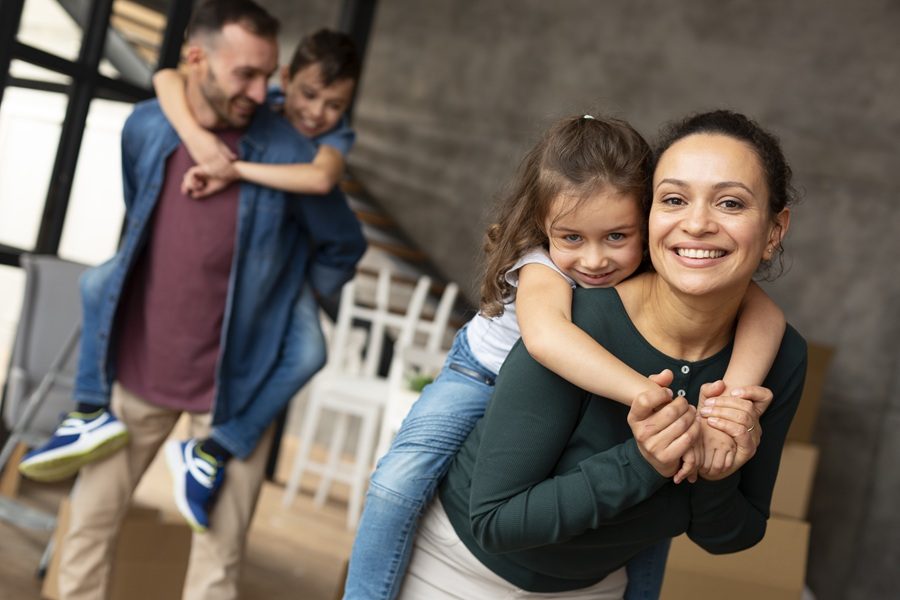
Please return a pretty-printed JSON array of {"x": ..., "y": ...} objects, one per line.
[
  {"x": 731, "y": 204},
  {"x": 672, "y": 201}
]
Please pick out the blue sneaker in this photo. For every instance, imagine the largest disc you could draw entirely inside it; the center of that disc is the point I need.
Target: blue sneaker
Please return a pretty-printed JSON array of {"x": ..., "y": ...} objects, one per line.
[
  {"x": 81, "y": 438},
  {"x": 197, "y": 476}
]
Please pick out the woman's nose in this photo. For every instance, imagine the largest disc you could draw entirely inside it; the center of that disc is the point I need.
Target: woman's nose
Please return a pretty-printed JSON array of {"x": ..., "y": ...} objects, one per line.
[{"x": 699, "y": 220}]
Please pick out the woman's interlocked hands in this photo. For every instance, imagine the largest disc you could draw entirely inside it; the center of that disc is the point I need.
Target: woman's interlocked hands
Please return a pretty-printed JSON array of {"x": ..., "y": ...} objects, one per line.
[
  {"x": 668, "y": 435},
  {"x": 665, "y": 427}
]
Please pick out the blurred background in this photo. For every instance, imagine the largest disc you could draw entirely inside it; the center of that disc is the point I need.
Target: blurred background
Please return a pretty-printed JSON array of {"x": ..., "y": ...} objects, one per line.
[{"x": 452, "y": 95}]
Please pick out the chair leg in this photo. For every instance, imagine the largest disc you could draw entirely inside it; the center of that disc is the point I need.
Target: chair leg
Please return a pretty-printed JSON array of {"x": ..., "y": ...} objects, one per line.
[
  {"x": 9, "y": 472},
  {"x": 307, "y": 433},
  {"x": 362, "y": 467},
  {"x": 333, "y": 466}
]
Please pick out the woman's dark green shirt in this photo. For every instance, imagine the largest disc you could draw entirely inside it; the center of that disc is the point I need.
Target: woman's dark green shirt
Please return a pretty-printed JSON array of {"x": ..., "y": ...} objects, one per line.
[{"x": 550, "y": 491}]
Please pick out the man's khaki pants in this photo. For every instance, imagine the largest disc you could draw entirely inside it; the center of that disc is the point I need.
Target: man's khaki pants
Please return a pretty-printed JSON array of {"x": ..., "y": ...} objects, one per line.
[{"x": 103, "y": 491}]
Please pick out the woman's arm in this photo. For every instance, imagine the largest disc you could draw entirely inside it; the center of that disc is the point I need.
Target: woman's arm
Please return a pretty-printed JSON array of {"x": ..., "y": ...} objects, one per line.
[
  {"x": 523, "y": 435},
  {"x": 317, "y": 177},
  {"x": 544, "y": 311},
  {"x": 760, "y": 328},
  {"x": 730, "y": 514},
  {"x": 204, "y": 146}
]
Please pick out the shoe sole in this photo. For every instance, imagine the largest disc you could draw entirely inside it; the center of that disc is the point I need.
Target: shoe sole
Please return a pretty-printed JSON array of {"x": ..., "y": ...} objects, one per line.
[
  {"x": 65, "y": 466},
  {"x": 179, "y": 471}
]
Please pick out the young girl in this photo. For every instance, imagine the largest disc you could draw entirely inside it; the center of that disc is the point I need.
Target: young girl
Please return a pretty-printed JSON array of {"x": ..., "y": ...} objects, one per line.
[{"x": 572, "y": 217}]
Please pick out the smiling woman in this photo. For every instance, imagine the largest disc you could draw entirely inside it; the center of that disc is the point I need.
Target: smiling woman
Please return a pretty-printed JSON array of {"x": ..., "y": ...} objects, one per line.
[{"x": 556, "y": 489}]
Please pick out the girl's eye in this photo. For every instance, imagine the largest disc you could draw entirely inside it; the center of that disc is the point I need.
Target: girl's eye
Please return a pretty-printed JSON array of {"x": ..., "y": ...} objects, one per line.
[
  {"x": 616, "y": 237},
  {"x": 572, "y": 238}
]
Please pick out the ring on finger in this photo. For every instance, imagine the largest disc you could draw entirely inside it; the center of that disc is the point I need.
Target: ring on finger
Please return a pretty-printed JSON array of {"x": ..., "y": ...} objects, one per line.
[{"x": 752, "y": 427}]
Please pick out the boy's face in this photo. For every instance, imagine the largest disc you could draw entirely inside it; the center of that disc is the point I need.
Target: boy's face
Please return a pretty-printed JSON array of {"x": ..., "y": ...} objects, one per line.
[{"x": 312, "y": 107}]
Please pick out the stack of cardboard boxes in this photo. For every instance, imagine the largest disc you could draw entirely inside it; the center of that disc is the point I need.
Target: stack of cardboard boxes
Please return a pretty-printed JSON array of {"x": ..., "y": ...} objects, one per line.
[{"x": 774, "y": 569}]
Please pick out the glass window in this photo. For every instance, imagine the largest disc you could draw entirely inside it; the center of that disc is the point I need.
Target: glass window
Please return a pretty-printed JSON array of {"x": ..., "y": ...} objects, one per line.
[
  {"x": 94, "y": 218},
  {"x": 24, "y": 70},
  {"x": 12, "y": 282},
  {"x": 47, "y": 26},
  {"x": 30, "y": 124}
]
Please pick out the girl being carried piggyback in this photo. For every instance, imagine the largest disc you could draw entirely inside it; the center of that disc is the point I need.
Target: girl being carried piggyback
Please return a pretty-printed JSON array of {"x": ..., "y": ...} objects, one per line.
[{"x": 573, "y": 217}]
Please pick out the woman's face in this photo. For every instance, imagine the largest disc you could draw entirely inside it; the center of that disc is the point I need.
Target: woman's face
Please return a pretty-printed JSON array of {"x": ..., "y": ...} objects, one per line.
[{"x": 709, "y": 224}]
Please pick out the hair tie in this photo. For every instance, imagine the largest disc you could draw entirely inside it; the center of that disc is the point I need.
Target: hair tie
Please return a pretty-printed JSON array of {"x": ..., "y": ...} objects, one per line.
[{"x": 588, "y": 117}]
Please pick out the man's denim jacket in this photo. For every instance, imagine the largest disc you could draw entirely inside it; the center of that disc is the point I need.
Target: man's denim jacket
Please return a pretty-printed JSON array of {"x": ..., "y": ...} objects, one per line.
[{"x": 282, "y": 242}]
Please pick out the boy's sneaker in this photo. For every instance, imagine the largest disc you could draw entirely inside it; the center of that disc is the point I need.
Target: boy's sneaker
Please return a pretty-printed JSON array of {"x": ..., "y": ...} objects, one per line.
[
  {"x": 197, "y": 476},
  {"x": 81, "y": 438}
]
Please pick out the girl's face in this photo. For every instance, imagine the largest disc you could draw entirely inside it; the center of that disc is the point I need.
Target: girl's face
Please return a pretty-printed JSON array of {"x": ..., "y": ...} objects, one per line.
[
  {"x": 312, "y": 107},
  {"x": 597, "y": 242},
  {"x": 709, "y": 222}
]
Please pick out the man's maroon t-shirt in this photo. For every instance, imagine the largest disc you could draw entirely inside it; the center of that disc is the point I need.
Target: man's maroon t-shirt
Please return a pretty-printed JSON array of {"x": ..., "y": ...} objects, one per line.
[{"x": 170, "y": 319}]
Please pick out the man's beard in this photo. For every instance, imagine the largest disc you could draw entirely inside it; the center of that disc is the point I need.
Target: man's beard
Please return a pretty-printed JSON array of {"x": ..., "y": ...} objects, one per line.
[{"x": 219, "y": 102}]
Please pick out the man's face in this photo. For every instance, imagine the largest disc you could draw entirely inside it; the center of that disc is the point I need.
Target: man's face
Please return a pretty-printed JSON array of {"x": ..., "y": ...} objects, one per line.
[{"x": 232, "y": 75}]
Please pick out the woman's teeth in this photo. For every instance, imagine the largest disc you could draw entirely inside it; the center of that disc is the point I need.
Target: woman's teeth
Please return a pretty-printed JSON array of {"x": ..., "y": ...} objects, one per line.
[{"x": 696, "y": 253}]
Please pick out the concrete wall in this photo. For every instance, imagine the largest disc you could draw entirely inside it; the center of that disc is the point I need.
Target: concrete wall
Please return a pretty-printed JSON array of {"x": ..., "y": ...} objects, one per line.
[{"x": 454, "y": 92}]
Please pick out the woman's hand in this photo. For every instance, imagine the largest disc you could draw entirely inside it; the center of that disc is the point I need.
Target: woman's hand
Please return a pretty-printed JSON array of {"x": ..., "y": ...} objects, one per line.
[
  {"x": 664, "y": 427},
  {"x": 737, "y": 415}
]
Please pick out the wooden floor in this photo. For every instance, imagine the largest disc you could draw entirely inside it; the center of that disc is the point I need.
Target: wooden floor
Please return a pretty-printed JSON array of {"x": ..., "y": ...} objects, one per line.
[{"x": 297, "y": 552}]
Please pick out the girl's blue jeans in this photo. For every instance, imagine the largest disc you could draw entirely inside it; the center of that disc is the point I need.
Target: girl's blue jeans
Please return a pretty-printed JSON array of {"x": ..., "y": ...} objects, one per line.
[{"x": 406, "y": 478}]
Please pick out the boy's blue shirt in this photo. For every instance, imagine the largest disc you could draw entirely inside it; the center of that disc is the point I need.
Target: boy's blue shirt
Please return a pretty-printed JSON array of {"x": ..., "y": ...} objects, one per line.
[{"x": 283, "y": 241}]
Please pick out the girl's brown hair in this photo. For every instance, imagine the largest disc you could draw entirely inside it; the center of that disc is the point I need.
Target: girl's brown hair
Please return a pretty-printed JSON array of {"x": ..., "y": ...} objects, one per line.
[{"x": 577, "y": 156}]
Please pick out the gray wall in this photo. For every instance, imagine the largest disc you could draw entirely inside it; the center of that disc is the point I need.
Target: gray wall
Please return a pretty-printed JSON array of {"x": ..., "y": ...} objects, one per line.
[{"x": 454, "y": 92}]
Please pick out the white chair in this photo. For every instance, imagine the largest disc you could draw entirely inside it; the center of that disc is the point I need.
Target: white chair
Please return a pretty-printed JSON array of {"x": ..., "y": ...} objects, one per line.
[
  {"x": 350, "y": 387},
  {"x": 42, "y": 367},
  {"x": 408, "y": 363},
  {"x": 411, "y": 360}
]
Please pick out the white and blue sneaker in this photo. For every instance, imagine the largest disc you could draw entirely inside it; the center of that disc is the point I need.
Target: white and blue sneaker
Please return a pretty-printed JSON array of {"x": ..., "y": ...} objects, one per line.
[
  {"x": 81, "y": 438},
  {"x": 197, "y": 476}
]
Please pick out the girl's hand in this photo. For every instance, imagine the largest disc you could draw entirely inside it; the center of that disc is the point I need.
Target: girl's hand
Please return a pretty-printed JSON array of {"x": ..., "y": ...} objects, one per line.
[
  {"x": 690, "y": 464},
  {"x": 718, "y": 447},
  {"x": 737, "y": 415},
  {"x": 665, "y": 428}
]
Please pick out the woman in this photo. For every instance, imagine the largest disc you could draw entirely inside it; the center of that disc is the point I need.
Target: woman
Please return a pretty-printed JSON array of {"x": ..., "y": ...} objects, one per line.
[{"x": 555, "y": 489}]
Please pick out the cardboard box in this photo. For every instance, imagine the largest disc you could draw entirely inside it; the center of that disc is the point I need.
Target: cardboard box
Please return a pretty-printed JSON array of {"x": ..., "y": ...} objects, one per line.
[
  {"x": 150, "y": 558},
  {"x": 774, "y": 569},
  {"x": 793, "y": 488},
  {"x": 804, "y": 423}
]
